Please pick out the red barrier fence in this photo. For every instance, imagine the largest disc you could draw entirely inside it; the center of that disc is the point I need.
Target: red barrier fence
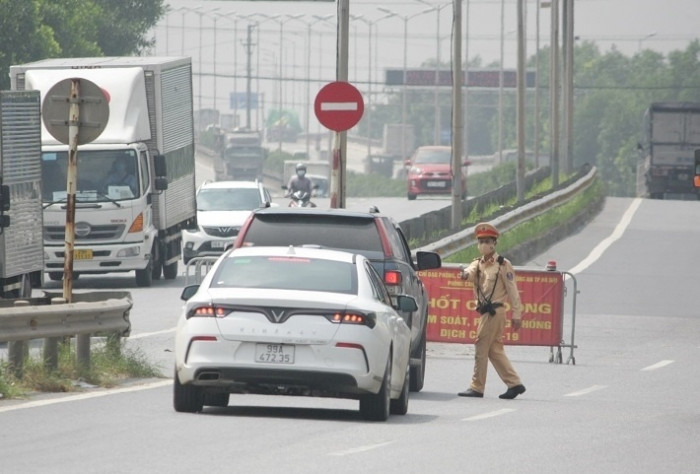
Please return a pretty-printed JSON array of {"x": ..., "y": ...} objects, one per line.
[{"x": 452, "y": 315}]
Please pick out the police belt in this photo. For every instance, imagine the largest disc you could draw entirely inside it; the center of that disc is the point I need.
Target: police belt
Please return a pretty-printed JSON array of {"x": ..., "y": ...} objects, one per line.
[{"x": 488, "y": 307}]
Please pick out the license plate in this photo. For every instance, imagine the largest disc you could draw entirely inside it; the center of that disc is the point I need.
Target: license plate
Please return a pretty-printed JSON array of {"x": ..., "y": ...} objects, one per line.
[
  {"x": 82, "y": 254},
  {"x": 274, "y": 353},
  {"x": 218, "y": 244},
  {"x": 436, "y": 184}
]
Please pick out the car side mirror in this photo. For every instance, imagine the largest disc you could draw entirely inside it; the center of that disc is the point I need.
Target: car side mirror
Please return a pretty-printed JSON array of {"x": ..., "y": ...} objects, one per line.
[
  {"x": 406, "y": 303},
  {"x": 188, "y": 292},
  {"x": 428, "y": 260}
]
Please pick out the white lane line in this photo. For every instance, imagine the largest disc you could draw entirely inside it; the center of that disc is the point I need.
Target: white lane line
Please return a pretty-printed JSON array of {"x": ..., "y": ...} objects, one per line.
[
  {"x": 586, "y": 391},
  {"x": 597, "y": 252},
  {"x": 490, "y": 414},
  {"x": 658, "y": 365},
  {"x": 149, "y": 334},
  {"x": 87, "y": 395},
  {"x": 361, "y": 449}
]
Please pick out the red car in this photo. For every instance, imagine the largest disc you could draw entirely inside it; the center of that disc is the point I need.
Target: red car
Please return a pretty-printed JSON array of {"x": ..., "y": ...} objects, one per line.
[{"x": 430, "y": 172}]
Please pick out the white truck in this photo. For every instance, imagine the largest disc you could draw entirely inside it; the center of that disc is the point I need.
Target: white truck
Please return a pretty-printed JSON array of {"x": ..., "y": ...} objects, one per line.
[
  {"x": 122, "y": 224},
  {"x": 21, "y": 252}
]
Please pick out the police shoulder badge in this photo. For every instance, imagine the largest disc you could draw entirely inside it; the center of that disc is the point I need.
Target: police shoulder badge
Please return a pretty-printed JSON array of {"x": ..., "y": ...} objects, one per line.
[{"x": 509, "y": 275}]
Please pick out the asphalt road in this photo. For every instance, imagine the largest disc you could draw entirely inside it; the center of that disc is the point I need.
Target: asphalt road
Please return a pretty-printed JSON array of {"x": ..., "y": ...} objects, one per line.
[{"x": 628, "y": 404}]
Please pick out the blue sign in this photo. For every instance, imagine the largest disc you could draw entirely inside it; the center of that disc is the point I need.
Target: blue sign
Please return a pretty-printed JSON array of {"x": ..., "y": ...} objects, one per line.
[{"x": 239, "y": 100}]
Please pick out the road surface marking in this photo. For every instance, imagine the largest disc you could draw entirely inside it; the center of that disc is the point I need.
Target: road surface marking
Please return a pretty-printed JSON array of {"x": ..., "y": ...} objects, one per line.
[
  {"x": 658, "y": 365},
  {"x": 597, "y": 252},
  {"x": 149, "y": 334},
  {"x": 342, "y": 106},
  {"x": 586, "y": 391},
  {"x": 362, "y": 449},
  {"x": 489, "y": 414},
  {"x": 87, "y": 395}
]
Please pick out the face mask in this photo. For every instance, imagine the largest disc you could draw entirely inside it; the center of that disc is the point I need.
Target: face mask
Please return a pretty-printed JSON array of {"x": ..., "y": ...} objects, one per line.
[
  {"x": 486, "y": 248},
  {"x": 301, "y": 173}
]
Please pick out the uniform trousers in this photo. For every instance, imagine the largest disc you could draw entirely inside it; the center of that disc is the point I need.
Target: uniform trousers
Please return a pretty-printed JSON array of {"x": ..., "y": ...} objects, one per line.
[{"x": 489, "y": 347}]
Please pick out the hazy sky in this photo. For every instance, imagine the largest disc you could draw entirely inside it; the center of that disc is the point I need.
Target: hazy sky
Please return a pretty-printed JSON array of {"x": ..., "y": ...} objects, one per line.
[{"x": 628, "y": 25}]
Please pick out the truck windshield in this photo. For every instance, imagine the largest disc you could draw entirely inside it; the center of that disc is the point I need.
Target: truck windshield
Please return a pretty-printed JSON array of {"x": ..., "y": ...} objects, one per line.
[{"x": 103, "y": 175}]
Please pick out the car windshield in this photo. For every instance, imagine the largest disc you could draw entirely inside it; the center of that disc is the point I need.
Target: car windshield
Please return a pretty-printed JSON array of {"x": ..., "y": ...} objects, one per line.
[
  {"x": 228, "y": 199},
  {"x": 433, "y": 157},
  {"x": 286, "y": 273},
  {"x": 103, "y": 175}
]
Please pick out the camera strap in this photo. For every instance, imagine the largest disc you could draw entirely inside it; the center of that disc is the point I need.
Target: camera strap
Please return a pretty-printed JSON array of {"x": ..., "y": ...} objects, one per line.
[{"x": 479, "y": 294}]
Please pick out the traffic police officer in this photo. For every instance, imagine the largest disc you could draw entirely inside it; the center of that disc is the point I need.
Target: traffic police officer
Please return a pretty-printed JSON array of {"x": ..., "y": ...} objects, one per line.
[{"x": 494, "y": 284}]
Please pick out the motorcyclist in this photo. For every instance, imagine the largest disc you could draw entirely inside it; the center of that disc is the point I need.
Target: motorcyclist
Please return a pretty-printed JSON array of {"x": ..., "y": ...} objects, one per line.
[{"x": 299, "y": 182}]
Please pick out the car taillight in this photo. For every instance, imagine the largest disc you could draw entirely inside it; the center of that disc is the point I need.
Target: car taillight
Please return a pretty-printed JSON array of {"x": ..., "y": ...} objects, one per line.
[
  {"x": 353, "y": 317},
  {"x": 392, "y": 277},
  {"x": 207, "y": 312}
]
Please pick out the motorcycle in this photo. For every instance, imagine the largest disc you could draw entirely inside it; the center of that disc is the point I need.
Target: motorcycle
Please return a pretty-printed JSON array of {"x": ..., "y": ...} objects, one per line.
[{"x": 300, "y": 198}]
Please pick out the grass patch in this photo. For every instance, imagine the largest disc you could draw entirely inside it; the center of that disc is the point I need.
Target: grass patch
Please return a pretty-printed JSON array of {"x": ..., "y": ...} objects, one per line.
[
  {"x": 536, "y": 226},
  {"x": 110, "y": 363}
]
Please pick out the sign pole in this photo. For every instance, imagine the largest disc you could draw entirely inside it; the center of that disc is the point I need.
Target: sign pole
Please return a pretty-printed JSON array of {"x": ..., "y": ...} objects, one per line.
[
  {"x": 71, "y": 182},
  {"x": 340, "y": 142}
]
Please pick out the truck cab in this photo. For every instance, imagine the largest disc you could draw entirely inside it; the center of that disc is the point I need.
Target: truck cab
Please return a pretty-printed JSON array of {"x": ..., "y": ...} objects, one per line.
[{"x": 114, "y": 177}]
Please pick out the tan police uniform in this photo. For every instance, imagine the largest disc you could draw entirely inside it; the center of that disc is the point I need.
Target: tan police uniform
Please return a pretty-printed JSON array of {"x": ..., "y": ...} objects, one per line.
[{"x": 494, "y": 282}]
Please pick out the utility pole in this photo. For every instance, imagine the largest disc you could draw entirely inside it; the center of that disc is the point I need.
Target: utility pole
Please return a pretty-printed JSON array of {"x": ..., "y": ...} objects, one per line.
[
  {"x": 520, "y": 112},
  {"x": 249, "y": 74},
  {"x": 457, "y": 117},
  {"x": 554, "y": 93}
]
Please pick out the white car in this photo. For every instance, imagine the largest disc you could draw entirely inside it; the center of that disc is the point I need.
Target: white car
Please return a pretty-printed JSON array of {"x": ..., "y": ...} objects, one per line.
[
  {"x": 293, "y": 321},
  {"x": 222, "y": 207}
]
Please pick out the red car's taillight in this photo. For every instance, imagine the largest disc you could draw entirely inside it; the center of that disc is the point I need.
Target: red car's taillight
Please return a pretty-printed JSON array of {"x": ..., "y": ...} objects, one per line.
[{"x": 392, "y": 277}]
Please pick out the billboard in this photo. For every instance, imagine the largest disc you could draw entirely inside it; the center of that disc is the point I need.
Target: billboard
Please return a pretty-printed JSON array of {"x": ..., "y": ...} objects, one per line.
[{"x": 452, "y": 315}]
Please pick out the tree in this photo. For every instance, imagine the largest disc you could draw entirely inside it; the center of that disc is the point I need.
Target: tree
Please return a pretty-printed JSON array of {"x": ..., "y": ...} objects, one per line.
[{"x": 31, "y": 30}]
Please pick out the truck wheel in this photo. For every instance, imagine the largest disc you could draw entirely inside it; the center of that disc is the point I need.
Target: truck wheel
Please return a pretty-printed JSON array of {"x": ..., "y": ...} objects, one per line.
[
  {"x": 411, "y": 197},
  {"x": 144, "y": 278},
  {"x": 170, "y": 271},
  {"x": 55, "y": 276},
  {"x": 156, "y": 262}
]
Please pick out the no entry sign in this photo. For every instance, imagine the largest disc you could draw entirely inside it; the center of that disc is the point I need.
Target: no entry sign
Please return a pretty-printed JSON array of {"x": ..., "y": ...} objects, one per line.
[{"x": 339, "y": 106}]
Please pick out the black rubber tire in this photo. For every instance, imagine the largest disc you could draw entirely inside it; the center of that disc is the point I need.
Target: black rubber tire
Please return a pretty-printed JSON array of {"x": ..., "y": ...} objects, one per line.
[
  {"x": 377, "y": 407},
  {"x": 216, "y": 399},
  {"x": 156, "y": 262},
  {"x": 187, "y": 398},
  {"x": 55, "y": 276},
  {"x": 399, "y": 406},
  {"x": 411, "y": 197},
  {"x": 144, "y": 278},
  {"x": 418, "y": 372},
  {"x": 170, "y": 271}
]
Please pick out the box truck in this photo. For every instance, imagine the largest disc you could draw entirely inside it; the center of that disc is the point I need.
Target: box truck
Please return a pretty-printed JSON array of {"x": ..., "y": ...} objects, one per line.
[
  {"x": 136, "y": 181},
  {"x": 21, "y": 252},
  {"x": 671, "y": 135}
]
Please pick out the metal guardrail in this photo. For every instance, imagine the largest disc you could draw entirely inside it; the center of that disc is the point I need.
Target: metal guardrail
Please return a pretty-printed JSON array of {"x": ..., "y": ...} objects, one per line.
[
  {"x": 197, "y": 268},
  {"x": 101, "y": 312},
  {"x": 464, "y": 238}
]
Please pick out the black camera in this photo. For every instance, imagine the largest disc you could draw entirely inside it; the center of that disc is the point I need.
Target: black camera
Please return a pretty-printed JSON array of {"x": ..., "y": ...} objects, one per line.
[{"x": 488, "y": 307}]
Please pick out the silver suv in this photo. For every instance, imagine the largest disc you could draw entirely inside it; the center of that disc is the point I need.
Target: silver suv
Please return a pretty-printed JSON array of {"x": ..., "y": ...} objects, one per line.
[{"x": 222, "y": 207}]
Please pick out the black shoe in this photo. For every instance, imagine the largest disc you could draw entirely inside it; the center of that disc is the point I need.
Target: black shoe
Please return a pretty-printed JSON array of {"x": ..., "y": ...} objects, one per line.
[
  {"x": 471, "y": 393},
  {"x": 512, "y": 392}
]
